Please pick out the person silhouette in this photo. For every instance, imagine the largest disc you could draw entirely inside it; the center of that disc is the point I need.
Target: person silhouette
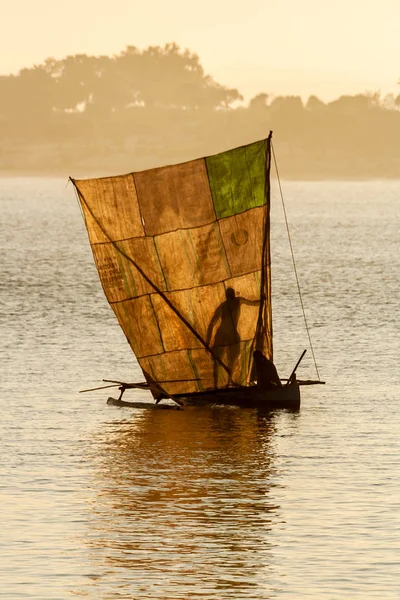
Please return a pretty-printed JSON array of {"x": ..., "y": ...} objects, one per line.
[
  {"x": 227, "y": 338},
  {"x": 267, "y": 375}
]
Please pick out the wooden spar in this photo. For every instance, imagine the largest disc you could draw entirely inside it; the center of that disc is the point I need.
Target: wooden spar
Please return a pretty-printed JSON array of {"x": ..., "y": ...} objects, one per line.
[
  {"x": 306, "y": 381},
  {"x": 140, "y": 385},
  {"x": 156, "y": 385},
  {"x": 297, "y": 364},
  {"x": 102, "y": 387},
  {"x": 145, "y": 384}
]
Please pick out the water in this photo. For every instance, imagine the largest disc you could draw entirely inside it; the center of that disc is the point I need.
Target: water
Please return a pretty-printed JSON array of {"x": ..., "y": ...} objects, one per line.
[{"x": 105, "y": 503}]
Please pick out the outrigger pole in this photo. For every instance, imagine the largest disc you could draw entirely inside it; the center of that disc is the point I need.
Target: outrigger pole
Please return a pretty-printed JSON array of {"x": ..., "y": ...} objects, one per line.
[
  {"x": 145, "y": 385},
  {"x": 297, "y": 364},
  {"x": 293, "y": 373}
]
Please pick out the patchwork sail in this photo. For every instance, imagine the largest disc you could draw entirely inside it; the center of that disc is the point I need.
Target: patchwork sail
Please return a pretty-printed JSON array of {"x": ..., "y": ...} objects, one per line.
[{"x": 183, "y": 256}]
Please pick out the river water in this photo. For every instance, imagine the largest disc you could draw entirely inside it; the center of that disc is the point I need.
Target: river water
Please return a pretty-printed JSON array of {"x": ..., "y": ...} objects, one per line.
[{"x": 105, "y": 503}]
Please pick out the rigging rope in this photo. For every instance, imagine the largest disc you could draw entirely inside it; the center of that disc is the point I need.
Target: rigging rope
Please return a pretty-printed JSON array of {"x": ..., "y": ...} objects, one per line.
[{"x": 294, "y": 262}]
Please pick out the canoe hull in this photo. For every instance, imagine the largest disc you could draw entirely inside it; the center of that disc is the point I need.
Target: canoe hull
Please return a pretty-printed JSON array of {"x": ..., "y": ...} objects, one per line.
[{"x": 287, "y": 397}]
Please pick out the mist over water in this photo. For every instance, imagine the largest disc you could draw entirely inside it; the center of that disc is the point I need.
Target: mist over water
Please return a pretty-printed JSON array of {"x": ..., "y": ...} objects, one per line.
[{"x": 101, "y": 502}]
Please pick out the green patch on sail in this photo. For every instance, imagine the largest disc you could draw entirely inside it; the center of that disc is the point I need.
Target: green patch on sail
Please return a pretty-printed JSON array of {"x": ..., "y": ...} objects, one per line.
[{"x": 237, "y": 179}]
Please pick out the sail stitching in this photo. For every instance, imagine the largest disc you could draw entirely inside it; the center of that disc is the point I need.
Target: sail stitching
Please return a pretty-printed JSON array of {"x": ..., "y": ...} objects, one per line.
[
  {"x": 242, "y": 342},
  {"x": 195, "y": 287},
  {"x": 141, "y": 237}
]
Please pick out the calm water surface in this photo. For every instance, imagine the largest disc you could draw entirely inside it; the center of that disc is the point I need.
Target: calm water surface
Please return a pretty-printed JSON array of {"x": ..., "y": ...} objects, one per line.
[{"x": 105, "y": 503}]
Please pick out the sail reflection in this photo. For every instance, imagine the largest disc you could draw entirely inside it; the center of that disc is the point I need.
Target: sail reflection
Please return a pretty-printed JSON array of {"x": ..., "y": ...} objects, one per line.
[{"x": 183, "y": 507}]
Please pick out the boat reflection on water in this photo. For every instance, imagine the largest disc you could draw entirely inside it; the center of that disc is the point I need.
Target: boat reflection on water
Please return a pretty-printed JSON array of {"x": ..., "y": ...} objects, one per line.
[{"x": 183, "y": 506}]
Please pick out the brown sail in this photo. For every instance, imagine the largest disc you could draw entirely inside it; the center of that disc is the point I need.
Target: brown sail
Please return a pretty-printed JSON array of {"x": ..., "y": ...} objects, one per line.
[{"x": 182, "y": 253}]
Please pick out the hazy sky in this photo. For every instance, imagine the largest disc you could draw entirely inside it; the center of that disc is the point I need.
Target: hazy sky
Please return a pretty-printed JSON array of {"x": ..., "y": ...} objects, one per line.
[{"x": 276, "y": 46}]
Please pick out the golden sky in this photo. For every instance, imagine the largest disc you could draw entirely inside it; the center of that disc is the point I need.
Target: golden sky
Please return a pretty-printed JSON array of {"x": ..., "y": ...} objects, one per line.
[{"x": 274, "y": 46}]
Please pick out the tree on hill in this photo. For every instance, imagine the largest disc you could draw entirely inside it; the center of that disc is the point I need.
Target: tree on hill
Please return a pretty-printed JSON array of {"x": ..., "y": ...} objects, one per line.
[{"x": 155, "y": 78}]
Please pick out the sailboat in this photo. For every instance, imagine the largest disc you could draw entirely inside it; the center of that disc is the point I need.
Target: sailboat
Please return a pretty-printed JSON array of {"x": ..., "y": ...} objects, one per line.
[{"x": 183, "y": 255}]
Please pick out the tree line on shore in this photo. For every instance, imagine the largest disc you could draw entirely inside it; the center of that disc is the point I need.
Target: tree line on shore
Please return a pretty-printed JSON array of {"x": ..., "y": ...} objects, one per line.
[{"x": 141, "y": 108}]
